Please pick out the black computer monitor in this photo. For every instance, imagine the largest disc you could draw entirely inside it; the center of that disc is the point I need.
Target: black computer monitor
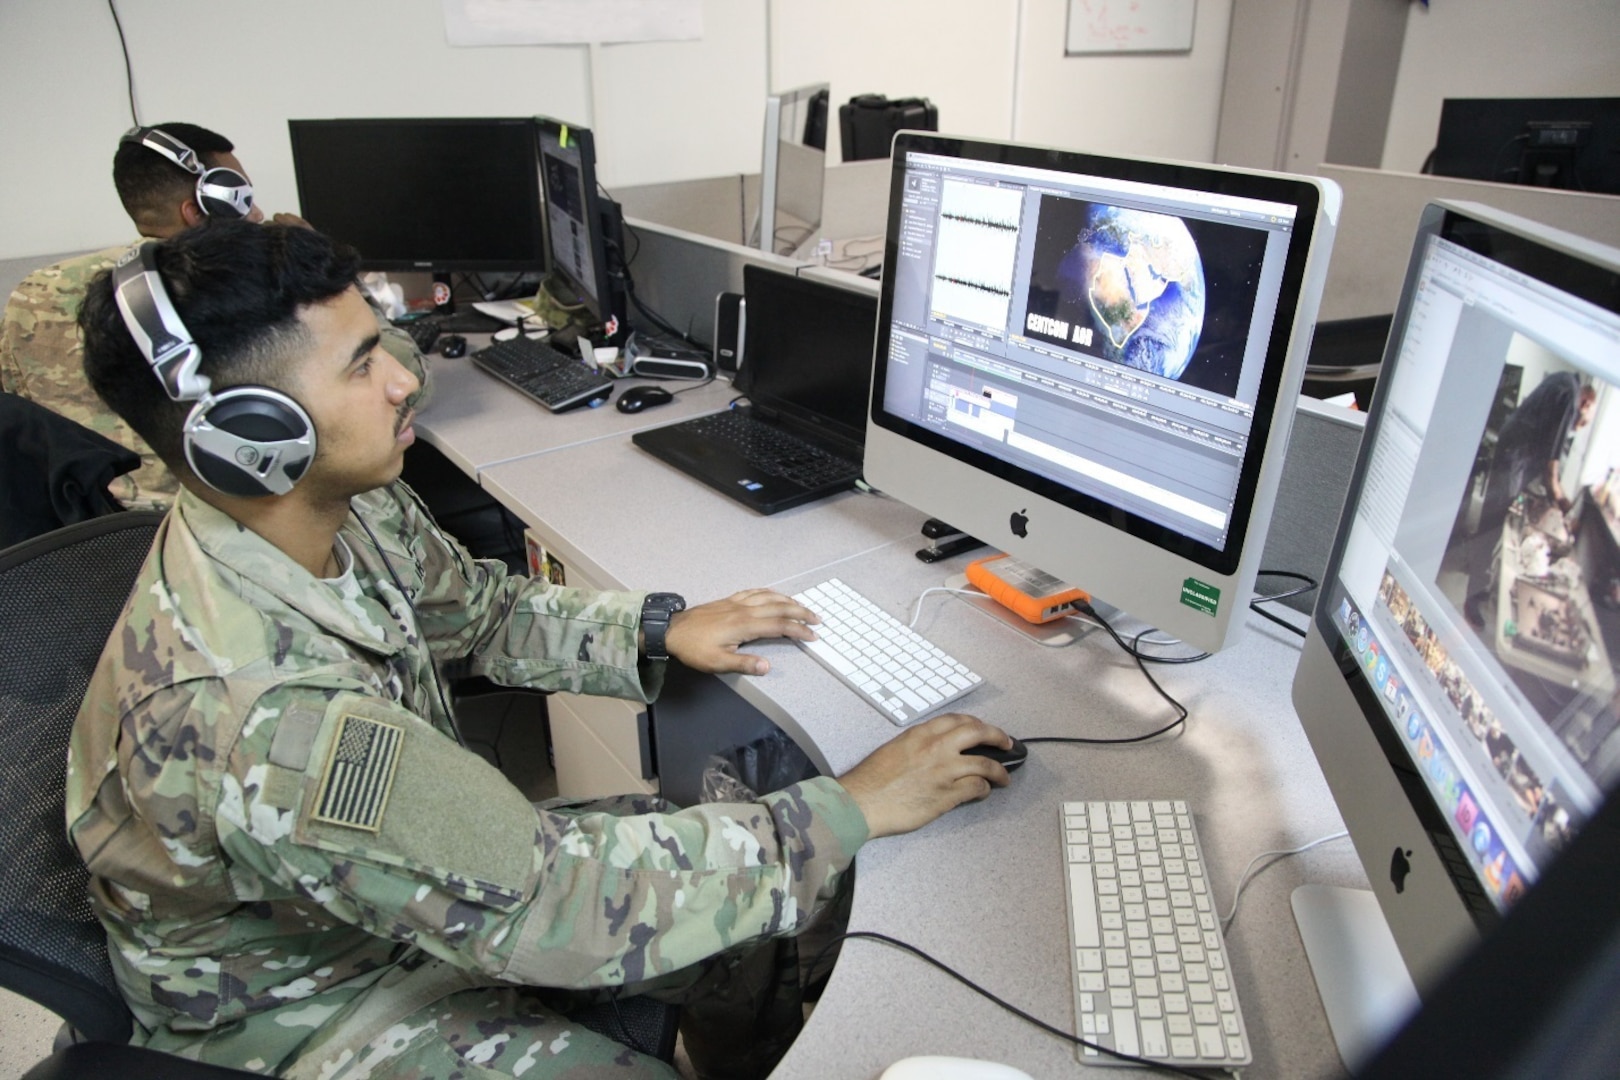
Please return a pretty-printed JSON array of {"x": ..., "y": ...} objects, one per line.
[
  {"x": 1458, "y": 684},
  {"x": 1571, "y": 143},
  {"x": 583, "y": 227},
  {"x": 424, "y": 194}
]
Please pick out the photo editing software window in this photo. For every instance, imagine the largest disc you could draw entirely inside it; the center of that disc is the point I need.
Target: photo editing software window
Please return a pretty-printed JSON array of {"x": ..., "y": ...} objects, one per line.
[
  {"x": 1107, "y": 335},
  {"x": 1480, "y": 582}
]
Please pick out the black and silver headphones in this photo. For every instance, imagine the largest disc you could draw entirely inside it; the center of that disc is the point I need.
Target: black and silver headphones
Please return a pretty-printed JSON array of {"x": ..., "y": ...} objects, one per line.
[
  {"x": 246, "y": 441},
  {"x": 221, "y": 192}
]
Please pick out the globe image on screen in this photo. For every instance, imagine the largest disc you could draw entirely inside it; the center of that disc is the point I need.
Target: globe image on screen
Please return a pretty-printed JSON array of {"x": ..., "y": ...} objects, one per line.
[{"x": 1143, "y": 283}]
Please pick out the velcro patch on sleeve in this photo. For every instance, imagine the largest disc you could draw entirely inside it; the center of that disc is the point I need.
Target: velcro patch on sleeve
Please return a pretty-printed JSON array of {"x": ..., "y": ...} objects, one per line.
[{"x": 359, "y": 773}]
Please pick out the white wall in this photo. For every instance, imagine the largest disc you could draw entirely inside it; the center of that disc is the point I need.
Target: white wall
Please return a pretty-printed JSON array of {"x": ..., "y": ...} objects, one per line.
[
  {"x": 1497, "y": 48},
  {"x": 660, "y": 111}
]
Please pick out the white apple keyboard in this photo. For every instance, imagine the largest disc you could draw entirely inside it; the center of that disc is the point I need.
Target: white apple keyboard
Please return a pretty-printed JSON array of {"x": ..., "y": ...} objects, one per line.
[
  {"x": 1150, "y": 972},
  {"x": 901, "y": 673}
]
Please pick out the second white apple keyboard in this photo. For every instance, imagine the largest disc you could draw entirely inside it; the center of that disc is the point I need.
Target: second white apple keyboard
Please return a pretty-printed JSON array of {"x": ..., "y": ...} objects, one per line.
[{"x": 903, "y": 674}]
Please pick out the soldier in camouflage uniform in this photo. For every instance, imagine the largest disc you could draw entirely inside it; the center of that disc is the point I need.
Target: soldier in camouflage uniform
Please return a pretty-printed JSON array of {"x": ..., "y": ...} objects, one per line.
[
  {"x": 299, "y": 869},
  {"x": 40, "y": 358}
]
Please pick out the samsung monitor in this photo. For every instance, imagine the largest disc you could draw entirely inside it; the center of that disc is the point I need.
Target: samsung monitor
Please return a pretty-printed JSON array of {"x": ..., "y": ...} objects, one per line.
[
  {"x": 1458, "y": 683},
  {"x": 794, "y": 169},
  {"x": 580, "y": 222},
  {"x": 1571, "y": 143},
  {"x": 1092, "y": 363},
  {"x": 424, "y": 194}
]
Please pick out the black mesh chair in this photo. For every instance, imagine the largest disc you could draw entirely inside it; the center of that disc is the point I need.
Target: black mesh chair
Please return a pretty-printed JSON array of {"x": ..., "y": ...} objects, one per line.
[{"x": 60, "y": 596}]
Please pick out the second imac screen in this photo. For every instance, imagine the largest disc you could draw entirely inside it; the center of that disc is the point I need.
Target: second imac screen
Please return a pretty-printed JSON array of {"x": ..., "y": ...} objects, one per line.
[{"x": 567, "y": 173}]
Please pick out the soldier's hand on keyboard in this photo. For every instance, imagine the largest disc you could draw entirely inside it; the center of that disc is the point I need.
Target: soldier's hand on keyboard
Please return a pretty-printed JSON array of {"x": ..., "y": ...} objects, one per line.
[
  {"x": 921, "y": 773},
  {"x": 707, "y": 637}
]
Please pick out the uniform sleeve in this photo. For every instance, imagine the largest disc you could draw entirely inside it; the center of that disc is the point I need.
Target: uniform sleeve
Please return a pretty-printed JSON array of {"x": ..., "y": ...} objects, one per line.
[
  {"x": 480, "y": 620},
  {"x": 388, "y": 825}
]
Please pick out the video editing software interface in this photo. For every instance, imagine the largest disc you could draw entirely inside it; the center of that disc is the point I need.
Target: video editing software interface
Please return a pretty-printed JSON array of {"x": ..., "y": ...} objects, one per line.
[
  {"x": 1478, "y": 593},
  {"x": 568, "y": 207},
  {"x": 1104, "y": 334}
]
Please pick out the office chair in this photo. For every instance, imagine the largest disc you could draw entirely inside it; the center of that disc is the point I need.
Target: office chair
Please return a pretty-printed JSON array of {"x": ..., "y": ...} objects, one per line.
[{"x": 60, "y": 596}]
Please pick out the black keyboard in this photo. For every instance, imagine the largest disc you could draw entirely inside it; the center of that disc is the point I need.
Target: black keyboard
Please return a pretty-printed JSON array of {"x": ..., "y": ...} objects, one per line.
[
  {"x": 422, "y": 331},
  {"x": 776, "y": 452},
  {"x": 551, "y": 377}
]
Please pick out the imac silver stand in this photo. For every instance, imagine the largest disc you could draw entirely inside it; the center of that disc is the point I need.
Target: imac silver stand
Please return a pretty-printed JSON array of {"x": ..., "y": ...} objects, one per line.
[{"x": 1365, "y": 989}]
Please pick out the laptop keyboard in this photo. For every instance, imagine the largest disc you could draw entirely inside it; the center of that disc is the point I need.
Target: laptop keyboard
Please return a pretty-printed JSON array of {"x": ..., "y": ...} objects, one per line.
[
  {"x": 548, "y": 375},
  {"x": 775, "y": 452},
  {"x": 1150, "y": 972},
  {"x": 898, "y": 671}
]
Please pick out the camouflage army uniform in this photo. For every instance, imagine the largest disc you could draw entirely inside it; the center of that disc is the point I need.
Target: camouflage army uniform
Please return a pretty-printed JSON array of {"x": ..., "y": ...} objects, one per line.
[
  {"x": 301, "y": 872},
  {"x": 41, "y": 359}
]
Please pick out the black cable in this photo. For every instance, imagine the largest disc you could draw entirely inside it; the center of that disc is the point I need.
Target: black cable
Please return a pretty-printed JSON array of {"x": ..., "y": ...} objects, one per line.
[
  {"x": 1133, "y": 651},
  {"x": 129, "y": 72},
  {"x": 1015, "y": 1010},
  {"x": 1254, "y": 605}
]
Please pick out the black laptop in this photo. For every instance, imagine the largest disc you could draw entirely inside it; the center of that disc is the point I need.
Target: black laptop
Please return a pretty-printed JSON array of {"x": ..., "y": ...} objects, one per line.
[{"x": 807, "y": 371}]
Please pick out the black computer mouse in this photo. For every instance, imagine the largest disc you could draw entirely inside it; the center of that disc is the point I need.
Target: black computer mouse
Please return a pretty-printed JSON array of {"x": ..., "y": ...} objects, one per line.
[
  {"x": 1010, "y": 759},
  {"x": 637, "y": 398},
  {"x": 452, "y": 345}
]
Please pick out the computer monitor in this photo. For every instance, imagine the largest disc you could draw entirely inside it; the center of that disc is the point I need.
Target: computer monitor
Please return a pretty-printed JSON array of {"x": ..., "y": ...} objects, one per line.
[
  {"x": 424, "y": 194},
  {"x": 1571, "y": 143},
  {"x": 1458, "y": 683},
  {"x": 583, "y": 227},
  {"x": 1092, "y": 363},
  {"x": 794, "y": 169}
]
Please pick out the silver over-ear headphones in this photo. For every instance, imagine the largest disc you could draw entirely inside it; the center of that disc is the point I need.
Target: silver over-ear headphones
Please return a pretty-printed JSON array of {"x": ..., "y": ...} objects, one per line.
[
  {"x": 221, "y": 192},
  {"x": 246, "y": 441}
]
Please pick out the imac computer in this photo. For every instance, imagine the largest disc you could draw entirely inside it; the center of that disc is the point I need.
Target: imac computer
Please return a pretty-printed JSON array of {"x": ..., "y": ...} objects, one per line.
[
  {"x": 583, "y": 227},
  {"x": 794, "y": 169},
  {"x": 426, "y": 194},
  {"x": 1458, "y": 683},
  {"x": 1092, "y": 363},
  {"x": 1571, "y": 143}
]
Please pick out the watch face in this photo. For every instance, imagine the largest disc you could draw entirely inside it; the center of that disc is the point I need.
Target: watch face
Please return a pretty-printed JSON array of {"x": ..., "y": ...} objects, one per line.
[{"x": 666, "y": 601}]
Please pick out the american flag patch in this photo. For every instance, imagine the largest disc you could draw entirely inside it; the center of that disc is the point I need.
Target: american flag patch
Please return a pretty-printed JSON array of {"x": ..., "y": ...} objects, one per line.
[{"x": 359, "y": 774}]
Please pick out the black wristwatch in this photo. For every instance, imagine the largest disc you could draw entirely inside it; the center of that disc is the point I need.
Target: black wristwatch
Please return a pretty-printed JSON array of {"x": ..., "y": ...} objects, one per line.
[{"x": 656, "y": 612}]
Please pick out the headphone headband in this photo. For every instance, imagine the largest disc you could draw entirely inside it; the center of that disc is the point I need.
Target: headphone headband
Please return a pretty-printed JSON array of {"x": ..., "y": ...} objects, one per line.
[
  {"x": 156, "y": 327},
  {"x": 170, "y": 147}
]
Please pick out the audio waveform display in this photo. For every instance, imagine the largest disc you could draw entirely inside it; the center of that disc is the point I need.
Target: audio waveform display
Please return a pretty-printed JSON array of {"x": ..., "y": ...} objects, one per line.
[{"x": 975, "y": 253}]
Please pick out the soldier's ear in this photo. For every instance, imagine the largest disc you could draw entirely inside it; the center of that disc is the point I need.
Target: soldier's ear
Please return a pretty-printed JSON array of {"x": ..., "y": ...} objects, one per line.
[{"x": 191, "y": 213}]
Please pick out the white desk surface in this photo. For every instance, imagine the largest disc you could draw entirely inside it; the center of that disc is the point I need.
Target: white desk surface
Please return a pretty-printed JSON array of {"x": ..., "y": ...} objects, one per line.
[
  {"x": 476, "y": 420},
  {"x": 981, "y": 888}
]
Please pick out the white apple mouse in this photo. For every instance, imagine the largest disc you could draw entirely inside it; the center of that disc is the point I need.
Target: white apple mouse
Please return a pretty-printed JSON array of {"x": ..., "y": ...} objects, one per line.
[{"x": 951, "y": 1068}]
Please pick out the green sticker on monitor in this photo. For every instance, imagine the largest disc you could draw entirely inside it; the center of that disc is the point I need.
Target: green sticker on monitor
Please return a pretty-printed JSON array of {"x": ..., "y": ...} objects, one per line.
[{"x": 1200, "y": 596}]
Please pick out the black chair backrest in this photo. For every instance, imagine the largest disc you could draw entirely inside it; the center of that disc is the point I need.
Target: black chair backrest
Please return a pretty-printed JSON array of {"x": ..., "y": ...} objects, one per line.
[{"x": 60, "y": 596}]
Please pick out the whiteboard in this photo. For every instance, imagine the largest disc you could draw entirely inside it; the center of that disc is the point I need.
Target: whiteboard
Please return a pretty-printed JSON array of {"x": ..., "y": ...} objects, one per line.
[{"x": 1112, "y": 26}]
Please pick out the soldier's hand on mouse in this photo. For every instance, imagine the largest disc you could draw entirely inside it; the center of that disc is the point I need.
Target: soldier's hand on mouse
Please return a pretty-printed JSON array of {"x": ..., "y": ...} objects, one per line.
[{"x": 921, "y": 773}]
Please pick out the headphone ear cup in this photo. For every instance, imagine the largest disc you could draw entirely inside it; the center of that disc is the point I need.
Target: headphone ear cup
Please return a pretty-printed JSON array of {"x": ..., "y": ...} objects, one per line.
[
  {"x": 224, "y": 193},
  {"x": 250, "y": 441}
]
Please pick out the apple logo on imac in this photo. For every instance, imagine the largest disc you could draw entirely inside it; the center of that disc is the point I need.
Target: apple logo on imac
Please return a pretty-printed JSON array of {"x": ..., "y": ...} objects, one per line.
[
  {"x": 1019, "y": 524},
  {"x": 1399, "y": 868}
]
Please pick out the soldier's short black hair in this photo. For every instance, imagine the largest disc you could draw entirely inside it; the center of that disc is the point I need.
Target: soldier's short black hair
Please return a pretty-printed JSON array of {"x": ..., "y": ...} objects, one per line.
[
  {"x": 238, "y": 287},
  {"x": 149, "y": 184}
]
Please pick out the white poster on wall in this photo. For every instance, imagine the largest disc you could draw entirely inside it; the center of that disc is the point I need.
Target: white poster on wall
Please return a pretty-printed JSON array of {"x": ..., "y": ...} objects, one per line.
[
  {"x": 570, "y": 22},
  {"x": 1111, "y": 26}
]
